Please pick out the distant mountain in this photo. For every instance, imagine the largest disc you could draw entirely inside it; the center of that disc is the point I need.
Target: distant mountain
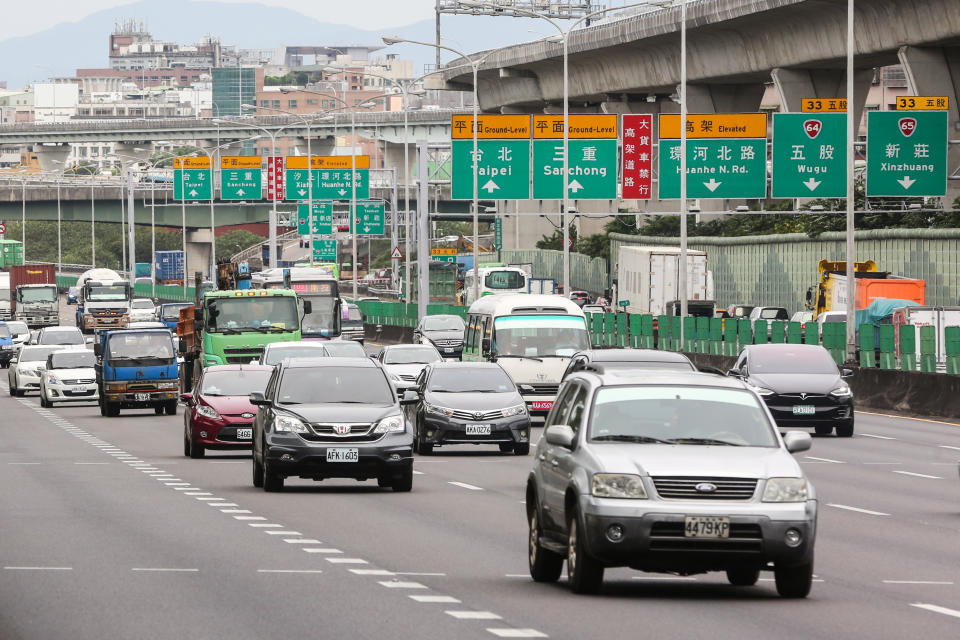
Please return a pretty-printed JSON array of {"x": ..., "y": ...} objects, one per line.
[{"x": 68, "y": 46}]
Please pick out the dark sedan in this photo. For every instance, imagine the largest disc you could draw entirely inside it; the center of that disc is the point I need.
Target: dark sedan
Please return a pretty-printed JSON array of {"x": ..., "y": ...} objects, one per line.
[
  {"x": 331, "y": 418},
  {"x": 470, "y": 404},
  {"x": 628, "y": 359},
  {"x": 445, "y": 332},
  {"x": 801, "y": 386},
  {"x": 219, "y": 415}
]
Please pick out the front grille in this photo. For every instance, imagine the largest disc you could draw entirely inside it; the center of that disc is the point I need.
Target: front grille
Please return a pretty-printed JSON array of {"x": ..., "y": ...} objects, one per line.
[
  {"x": 670, "y": 488},
  {"x": 669, "y": 536},
  {"x": 472, "y": 415},
  {"x": 359, "y": 432},
  {"x": 134, "y": 387},
  {"x": 253, "y": 352},
  {"x": 448, "y": 343},
  {"x": 107, "y": 313},
  {"x": 240, "y": 359},
  {"x": 77, "y": 394},
  {"x": 83, "y": 381},
  {"x": 544, "y": 388},
  {"x": 406, "y": 377},
  {"x": 803, "y": 396}
]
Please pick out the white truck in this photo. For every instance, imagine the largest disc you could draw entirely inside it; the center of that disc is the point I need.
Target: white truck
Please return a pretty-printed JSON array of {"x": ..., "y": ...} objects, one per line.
[
  {"x": 5, "y": 311},
  {"x": 104, "y": 300},
  {"x": 648, "y": 278},
  {"x": 937, "y": 317}
]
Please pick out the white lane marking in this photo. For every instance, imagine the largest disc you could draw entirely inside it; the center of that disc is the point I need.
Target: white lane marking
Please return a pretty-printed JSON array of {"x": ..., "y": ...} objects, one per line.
[
  {"x": 214, "y": 499},
  {"x": 249, "y": 517},
  {"x": 347, "y": 561},
  {"x": 945, "y": 582},
  {"x": 165, "y": 569},
  {"x": 328, "y": 550},
  {"x": 398, "y": 584},
  {"x": 298, "y": 540},
  {"x": 916, "y": 475},
  {"x": 518, "y": 633},
  {"x": 289, "y": 571},
  {"x": 440, "y": 599},
  {"x": 198, "y": 493},
  {"x": 888, "y": 463},
  {"x": 857, "y": 509},
  {"x": 265, "y": 525},
  {"x": 946, "y": 446},
  {"x": 418, "y": 573},
  {"x": 39, "y": 568},
  {"x": 824, "y": 460},
  {"x": 418, "y": 473},
  {"x": 474, "y": 615},
  {"x": 235, "y": 510},
  {"x": 937, "y": 609},
  {"x": 222, "y": 504},
  {"x": 185, "y": 489},
  {"x": 871, "y": 435},
  {"x": 464, "y": 485},
  {"x": 372, "y": 572},
  {"x": 177, "y": 484},
  {"x": 284, "y": 533}
]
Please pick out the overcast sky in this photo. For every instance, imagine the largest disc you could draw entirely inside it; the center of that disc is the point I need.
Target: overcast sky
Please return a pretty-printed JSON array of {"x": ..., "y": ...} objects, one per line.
[{"x": 25, "y": 18}]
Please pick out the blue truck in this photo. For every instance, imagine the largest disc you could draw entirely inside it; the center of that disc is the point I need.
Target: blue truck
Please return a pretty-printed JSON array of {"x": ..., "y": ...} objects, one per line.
[
  {"x": 137, "y": 369},
  {"x": 170, "y": 313}
]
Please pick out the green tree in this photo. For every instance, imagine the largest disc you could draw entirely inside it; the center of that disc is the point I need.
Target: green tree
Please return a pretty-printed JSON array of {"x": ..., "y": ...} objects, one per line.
[{"x": 234, "y": 242}]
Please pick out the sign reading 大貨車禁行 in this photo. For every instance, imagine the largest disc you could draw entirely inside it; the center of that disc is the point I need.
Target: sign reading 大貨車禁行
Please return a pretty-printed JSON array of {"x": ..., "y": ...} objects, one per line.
[
  {"x": 726, "y": 155},
  {"x": 322, "y": 219},
  {"x": 498, "y": 234},
  {"x": 502, "y": 165},
  {"x": 192, "y": 179},
  {"x": 592, "y": 159},
  {"x": 637, "y": 176},
  {"x": 809, "y": 155},
  {"x": 368, "y": 218},
  {"x": 906, "y": 153},
  {"x": 240, "y": 178},
  {"x": 333, "y": 178}
]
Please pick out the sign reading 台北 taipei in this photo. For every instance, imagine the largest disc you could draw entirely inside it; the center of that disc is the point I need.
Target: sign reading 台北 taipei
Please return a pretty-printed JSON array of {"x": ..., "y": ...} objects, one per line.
[
  {"x": 726, "y": 156},
  {"x": 592, "y": 164},
  {"x": 192, "y": 178},
  {"x": 637, "y": 174},
  {"x": 906, "y": 153},
  {"x": 809, "y": 155},
  {"x": 502, "y": 163}
]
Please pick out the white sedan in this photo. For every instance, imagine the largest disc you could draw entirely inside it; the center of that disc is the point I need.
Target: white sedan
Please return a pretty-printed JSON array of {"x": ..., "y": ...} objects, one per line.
[
  {"x": 69, "y": 377},
  {"x": 27, "y": 368},
  {"x": 142, "y": 310}
]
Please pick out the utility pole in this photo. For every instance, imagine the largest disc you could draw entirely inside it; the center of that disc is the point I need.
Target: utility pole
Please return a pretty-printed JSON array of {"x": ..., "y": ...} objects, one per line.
[{"x": 423, "y": 236}]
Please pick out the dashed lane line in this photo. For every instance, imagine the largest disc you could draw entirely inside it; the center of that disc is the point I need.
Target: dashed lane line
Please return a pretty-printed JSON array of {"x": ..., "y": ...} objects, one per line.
[
  {"x": 815, "y": 459},
  {"x": 947, "y": 446},
  {"x": 930, "y": 582},
  {"x": 517, "y": 633},
  {"x": 464, "y": 485},
  {"x": 399, "y": 584},
  {"x": 936, "y": 609},
  {"x": 473, "y": 615},
  {"x": 871, "y": 435},
  {"x": 335, "y": 560},
  {"x": 433, "y": 599},
  {"x": 857, "y": 509},
  {"x": 38, "y": 568},
  {"x": 916, "y": 475}
]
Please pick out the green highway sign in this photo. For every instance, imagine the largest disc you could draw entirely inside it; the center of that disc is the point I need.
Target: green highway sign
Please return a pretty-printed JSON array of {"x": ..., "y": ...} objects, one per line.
[
  {"x": 240, "y": 178},
  {"x": 498, "y": 234},
  {"x": 906, "y": 153},
  {"x": 592, "y": 168},
  {"x": 322, "y": 219},
  {"x": 809, "y": 155},
  {"x": 716, "y": 168},
  {"x": 624, "y": 303},
  {"x": 369, "y": 217},
  {"x": 328, "y": 184},
  {"x": 443, "y": 258},
  {"x": 194, "y": 183},
  {"x": 325, "y": 250},
  {"x": 503, "y": 169}
]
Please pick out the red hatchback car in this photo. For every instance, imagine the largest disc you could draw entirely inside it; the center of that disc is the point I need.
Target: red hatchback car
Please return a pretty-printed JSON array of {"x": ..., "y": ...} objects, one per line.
[{"x": 219, "y": 415}]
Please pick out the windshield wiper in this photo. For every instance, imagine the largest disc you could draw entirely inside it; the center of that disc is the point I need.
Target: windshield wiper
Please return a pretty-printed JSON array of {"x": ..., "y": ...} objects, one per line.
[
  {"x": 704, "y": 441},
  {"x": 510, "y": 355},
  {"x": 628, "y": 438},
  {"x": 270, "y": 329},
  {"x": 228, "y": 331}
]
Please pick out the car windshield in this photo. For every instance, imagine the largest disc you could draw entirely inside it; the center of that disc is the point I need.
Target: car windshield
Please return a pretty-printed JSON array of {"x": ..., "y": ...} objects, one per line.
[
  {"x": 773, "y": 313},
  {"x": 4, "y": 331},
  {"x": 540, "y": 336},
  {"x": 320, "y": 320},
  {"x": 275, "y": 355},
  {"x": 141, "y": 304},
  {"x": 61, "y": 337},
  {"x": 172, "y": 311},
  {"x": 320, "y": 385},
  {"x": 234, "y": 383},
  {"x": 411, "y": 355},
  {"x": 17, "y": 328},
  {"x": 40, "y": 294},
  {"x": 680, "y": 415},
  {"x": 344, "y": 349},
  {"x": 255, "y": 313},
  {"x": 140, "y": 346},
  {"x": 80, "y": 359},
  {"x": 36, "y": 354},
  {"x": 102, "y": 294},
  {"x": 504, "y": 280},
  {"x": 812, "y": 360},
  {"x": 352, "y": 317},
  {"x": 648, "y": 364},
  {"x": 470, "y": 380},
  {"x": 442, "y": 323}
]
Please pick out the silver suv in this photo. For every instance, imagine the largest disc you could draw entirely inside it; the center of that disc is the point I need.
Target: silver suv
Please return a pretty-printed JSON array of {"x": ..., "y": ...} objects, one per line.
[{"x": 680, "y": 472}]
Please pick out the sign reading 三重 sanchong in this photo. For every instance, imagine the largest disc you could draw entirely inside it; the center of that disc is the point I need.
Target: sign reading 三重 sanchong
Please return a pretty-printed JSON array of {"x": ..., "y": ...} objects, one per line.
[
  {"x": 240, "y": 178},
  {"x": 809, "y": 155},
  {"x": 192, "y": 178},
  {"x": 637, "y": 173},
  {"x": 322, "y": 219},
  {"x": 726, "y": 155},
  {"x": 502, "y": 162},
  {"x": 333, "y": 177},
  {"x": 906, "y": 153},
  {"x": 592, "y": 159}
]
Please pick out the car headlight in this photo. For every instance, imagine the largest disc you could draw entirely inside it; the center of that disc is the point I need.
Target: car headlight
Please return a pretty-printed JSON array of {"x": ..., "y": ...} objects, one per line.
[
  {"x": 425, "y": 340},
  {"x": 117, "y": 387},
  {"x": 289, "y": 424},
  {"x": 35, "y": 372},
  {"x": 53, "y": 380},
  {"x": 785, "y": 490},
  {"x": 391, "y": 424},
  {"x": 618, "y": 485},
  {"x": 208, "y": 412},
  {"x": 763, "y": 391},
  {"x": 843, "y": 391},
  {"x": 519, "y": 410},
  {"x": 437, "y": 409}
]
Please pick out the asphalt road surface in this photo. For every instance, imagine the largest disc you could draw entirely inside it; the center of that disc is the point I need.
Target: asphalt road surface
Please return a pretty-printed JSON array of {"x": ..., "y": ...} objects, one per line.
[{"x": 109, "y": 532}]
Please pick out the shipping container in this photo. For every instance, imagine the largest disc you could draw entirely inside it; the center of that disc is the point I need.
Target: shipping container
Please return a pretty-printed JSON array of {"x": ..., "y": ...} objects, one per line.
[
  {"x": 648, "y": 278},
  {"x": 142, "y": 270},
  {"x": 11, "y": 253},
  {"x": 168, "y": 265},
  {"x": 870, "y": 289},
  {"x": 30, "y": 274}
]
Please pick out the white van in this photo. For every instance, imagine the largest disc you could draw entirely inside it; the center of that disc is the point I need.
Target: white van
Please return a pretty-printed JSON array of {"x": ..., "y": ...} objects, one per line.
[
  {"x": 531, "y": 336},
  {"x": 494, "y": 280}
]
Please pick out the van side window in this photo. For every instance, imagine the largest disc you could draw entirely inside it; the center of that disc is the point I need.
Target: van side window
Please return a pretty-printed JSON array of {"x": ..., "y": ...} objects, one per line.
[{"x": 562, "y": 405}]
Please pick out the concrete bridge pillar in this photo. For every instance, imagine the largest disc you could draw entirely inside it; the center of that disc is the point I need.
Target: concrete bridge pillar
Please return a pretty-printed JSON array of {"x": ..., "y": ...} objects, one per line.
[
  {"x": 723, "y": 98},
  {"x": 52, "y": 156},
  {"x": 393, "y": 157},
  {"x": 198, "y": 251},
  {"x": 935, "y": 71},
  {"x": 793, "y": 85},
  {"x": 323, "y": 146}
]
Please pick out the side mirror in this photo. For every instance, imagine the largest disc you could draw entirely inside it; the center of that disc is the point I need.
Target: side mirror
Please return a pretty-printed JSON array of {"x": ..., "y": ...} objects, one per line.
[
  {"x": 186, "y": 398},
  {"x": 560, "y": 435},
  {"x": 485, "y": 345},
  {"x": 809, "y": 296},
  {"x": 88, "y": 340},
  {"x": 98, "y": 350},
  {"x": 797, "y": 441},
  {"x": 409, "y": 397},
  {"x": 846, "y": 373},
  {"x": 374, "y": 356},
  {"x": 736, "y": 373},
  {"x": 307, "y": 307},
  {"x": 257, "y": 399}
]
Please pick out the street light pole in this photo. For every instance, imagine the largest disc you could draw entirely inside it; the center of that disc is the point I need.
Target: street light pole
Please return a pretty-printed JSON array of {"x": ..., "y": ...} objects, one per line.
[
  {"x": 851, "y": 239},
  {"x": 93, "y": 224},
  {"x": 682, "y": 267},
  {"x": 131, "y": 226}
]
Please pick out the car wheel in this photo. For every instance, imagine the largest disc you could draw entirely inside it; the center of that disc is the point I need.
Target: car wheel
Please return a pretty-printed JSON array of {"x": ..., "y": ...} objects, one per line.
[
  {"x": 171, "y": 408},
  {"x": 103, "y": 409},
  {"x": 186, "y": 441},
  {"x": 404, "y": 482},
  {"x": 506, "y": 447},
  {"x": 743, "y": 576},
  {"x": 845, "y": 430},
  {"x": 158, "y": 411},
  {"x": 196, "y": 450},
  {"x": 584, "y": 574},
  {"x": 112, "y": 410},
  {"x": 272, "y": 481},
  {"x": 521, "y": 449},
  {"x": 794, "y": 582},
  {"x": 823, "y": 429},
  {"x": 257, "y": 472},
  {"x": 545, "y": 565}
]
